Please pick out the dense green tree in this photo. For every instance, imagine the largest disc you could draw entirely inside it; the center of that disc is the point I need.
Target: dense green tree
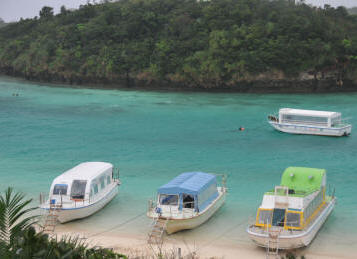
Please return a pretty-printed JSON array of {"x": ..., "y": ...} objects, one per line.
[
  {"x": 195, "y": 43},
  {"x": 46, "y": 12},
  {"x": 352, "y": 10},
  {"x": 2, "y": 23}
]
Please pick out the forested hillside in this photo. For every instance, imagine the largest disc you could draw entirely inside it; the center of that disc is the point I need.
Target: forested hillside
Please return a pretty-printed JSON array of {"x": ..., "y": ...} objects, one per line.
[
  {"x": 218, "y": 43},
  {"x": 2, "y": 23}
]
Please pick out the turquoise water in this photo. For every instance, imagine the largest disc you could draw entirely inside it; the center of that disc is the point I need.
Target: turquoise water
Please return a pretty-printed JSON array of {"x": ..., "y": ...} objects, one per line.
[{"x": 153, "y": 136}]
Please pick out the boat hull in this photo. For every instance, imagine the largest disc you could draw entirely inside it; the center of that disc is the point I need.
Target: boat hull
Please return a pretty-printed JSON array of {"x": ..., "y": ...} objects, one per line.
[
  {"x": 175, "y": 225},
  {"x": 311, "y": 130},
  {"x": 292, "y": 241},
  {"x": 69, "y": 214}
]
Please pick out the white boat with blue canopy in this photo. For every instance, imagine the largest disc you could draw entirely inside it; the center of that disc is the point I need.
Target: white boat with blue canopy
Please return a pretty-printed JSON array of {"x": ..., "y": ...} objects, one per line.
[
  {"x": 187, "y": 201},
  {"x": 311, "y": 122},
  {"x": 81, "y": 191}
]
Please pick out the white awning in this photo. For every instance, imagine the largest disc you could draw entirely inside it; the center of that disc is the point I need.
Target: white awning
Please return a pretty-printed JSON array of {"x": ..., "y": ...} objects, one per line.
[
  {"x": 311, "y": 113},
  {"x": 83, "y": 171}
]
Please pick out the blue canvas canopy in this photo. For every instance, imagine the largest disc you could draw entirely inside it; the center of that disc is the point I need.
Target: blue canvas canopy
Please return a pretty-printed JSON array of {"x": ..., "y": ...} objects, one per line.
[
  {"x": 190, "y": 183},
  {"x": 202, "y": 186}
]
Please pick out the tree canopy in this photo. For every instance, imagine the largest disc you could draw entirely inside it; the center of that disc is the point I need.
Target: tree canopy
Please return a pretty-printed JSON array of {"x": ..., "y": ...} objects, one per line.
[
  {"x": 2, "y": 23},
  {"x": 352, "y": 10},
  {"x": 195, "y": 43}
]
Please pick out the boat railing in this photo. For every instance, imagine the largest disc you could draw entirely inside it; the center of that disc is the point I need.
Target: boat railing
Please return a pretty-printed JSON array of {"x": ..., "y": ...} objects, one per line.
[
  {"x": 331, "y": 191},
  {"x": 223, "y": 181},
  {"x": 303, "y": 122},
  {"x": 183, "y": 213},
  {"x": 267, "y": 226},
  {"x": 45, "y": 199},
  {"x": 173, "y": 211},
  {"x": 273, "y": 117},
  {"x": 293, "y": 192},
  {"x": 342, "y": 123},
  {"x": 188, "y": 209},
  {"x": 116, "y": 175}
]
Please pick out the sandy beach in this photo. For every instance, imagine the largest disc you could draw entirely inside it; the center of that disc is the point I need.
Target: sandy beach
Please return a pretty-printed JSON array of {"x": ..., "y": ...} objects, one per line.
[{"x": 135, "y": 245}]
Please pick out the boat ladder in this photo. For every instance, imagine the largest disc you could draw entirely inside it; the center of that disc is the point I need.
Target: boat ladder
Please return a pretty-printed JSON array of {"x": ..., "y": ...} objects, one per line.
[
  {"x": 272, "y": 248},
  {"x": 51, "y": 218},
  {"x": 157, "y": 231}
]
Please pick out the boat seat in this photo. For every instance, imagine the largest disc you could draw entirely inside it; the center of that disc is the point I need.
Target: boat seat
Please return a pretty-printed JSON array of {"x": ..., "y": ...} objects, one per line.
[{"x": 72, "y": 199}]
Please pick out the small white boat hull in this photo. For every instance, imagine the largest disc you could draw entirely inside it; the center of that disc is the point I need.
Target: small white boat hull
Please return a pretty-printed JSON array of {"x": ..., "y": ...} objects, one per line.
[
  {"x": 175, "y": 225},
  {"x": 183, "y": 223},
  {"x": 82, "y": 211},
  {"x": 292, "y": 241},
  {"x": 311, "y": 130}
]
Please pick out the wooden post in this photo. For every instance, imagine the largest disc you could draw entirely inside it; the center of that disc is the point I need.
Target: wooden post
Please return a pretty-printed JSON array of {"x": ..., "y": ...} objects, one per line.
[{"x": 179, "y": 253}]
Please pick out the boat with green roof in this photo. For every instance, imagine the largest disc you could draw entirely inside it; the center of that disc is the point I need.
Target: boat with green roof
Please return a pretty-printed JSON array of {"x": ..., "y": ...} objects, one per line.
[{"x": 291, "y": 215}]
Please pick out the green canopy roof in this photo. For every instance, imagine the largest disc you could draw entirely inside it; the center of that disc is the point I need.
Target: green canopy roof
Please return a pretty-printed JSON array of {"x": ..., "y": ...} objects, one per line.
[{"x": 303, "y": 179}]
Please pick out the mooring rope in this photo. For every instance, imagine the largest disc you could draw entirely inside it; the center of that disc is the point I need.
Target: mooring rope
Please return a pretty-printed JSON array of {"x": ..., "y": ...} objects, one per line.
[
  {"x": 118, "y": 225},
  {"x": 230, "y": 229}
]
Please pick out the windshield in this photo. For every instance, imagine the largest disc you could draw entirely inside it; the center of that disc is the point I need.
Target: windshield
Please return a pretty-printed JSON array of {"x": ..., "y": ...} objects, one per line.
[
  {"x": 278, "y": 217},
  {"x": 166, "y": 199},
  {"x": 78, "y": 189},
  {"x": 60, "y": 189}
]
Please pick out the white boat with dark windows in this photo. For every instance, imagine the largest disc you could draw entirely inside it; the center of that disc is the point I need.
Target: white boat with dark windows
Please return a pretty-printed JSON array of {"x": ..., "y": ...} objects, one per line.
[
  {"x": 80, "y": 192},
  {"x": 185, "y": 202},
  {"x": 291, "y": 215},
  {"x": 310, "y": 122}
]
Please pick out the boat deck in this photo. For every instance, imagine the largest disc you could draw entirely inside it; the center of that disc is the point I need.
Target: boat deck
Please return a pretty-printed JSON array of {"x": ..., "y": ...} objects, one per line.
[
  {"x": 288, "y": 232},
  {"x": 184, "y": 213}
]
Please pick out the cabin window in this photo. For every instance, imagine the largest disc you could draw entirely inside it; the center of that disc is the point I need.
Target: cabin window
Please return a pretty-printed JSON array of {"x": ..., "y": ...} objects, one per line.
[
  {"x": 293, "y": 219},
  {"x": 78, "y": 189},
  {"x": 188, "y": 201},
  {"x": 102, "y": 182},
  {"x": 314, "y": 204},
  {"x": 166, "y": 199},
  {"x": 335, "y": 121},
  {"x": 95, "y": 188},
  {"x": 264, "y": 216},
  {"x": 207, "y": 194},
  {"x": 307, "y": 119},
  {"x": 108, "y": 179},
  {"x": 278, "y": 217},
  {"x": 60, "y": 189}
]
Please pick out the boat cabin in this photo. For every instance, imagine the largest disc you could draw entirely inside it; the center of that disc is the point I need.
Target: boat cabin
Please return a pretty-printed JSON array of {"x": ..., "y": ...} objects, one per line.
[
  {"x": 296, "y": 202},
  {"x": 84, "y": 182},
  {"x": 193, "y": 190},
  {"x": 309, "y": 117}
]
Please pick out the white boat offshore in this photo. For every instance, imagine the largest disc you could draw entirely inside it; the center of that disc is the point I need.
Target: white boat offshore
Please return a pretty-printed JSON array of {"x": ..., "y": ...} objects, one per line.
[
  {"x": 291, "y": 215},
  {"x": 310, "y": 122},
  {"x": 186, "y": 202},
  {"x": 81, "y": 191}
]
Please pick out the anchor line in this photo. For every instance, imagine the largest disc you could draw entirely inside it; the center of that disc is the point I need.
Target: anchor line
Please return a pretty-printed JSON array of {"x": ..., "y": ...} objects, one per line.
[
  {"x": 230, "y": 229},
  {"x": 118, "y": 225}
]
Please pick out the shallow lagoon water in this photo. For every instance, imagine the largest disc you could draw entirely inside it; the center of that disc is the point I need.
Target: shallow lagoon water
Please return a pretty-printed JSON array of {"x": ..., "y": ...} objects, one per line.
[{"x": 153, "y": 136}]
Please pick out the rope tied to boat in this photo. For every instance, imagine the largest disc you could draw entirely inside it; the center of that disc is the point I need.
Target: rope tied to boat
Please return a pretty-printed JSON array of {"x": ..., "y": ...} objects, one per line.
[{"x": 118, "y": 225}]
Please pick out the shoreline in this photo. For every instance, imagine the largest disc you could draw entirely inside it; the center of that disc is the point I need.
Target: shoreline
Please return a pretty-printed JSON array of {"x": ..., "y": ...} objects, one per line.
[
  {"x": 135, "y": 245},
  {"x": 282, "y": 86}
]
